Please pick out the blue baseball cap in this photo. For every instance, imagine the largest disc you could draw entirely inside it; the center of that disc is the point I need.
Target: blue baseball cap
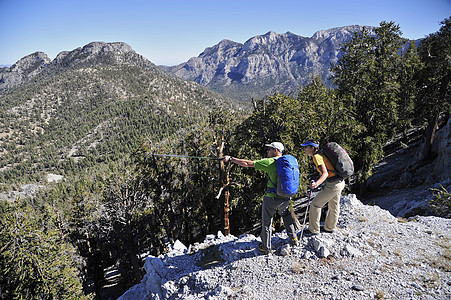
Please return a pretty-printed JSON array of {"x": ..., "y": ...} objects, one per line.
[{"x": 308, "y": 143}]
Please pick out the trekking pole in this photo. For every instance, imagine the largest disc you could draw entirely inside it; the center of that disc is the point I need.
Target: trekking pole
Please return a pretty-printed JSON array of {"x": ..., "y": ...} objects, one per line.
[
  {"x": 185, "y": 156},
  {"x": 306, "y": 211}
]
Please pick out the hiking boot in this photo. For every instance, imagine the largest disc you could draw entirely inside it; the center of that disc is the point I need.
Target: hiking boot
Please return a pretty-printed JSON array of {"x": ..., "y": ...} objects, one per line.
[
  {"x": 294, "y": 242},
  {"x": 308, "y": 233},
  {"x": 325, "y": 231},
  {"x": 263, "y": 250}
]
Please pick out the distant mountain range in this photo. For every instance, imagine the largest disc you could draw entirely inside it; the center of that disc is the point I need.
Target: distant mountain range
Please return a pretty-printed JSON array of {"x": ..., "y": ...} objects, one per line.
[{"x": 267, "y": 63}]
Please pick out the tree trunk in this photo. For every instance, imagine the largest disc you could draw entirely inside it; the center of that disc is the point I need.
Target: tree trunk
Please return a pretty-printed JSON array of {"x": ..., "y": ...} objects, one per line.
[
  {"x": 224, "y": 182},
  {"x": 429, "y": 137},
  {"x": 131, "y": 248}
]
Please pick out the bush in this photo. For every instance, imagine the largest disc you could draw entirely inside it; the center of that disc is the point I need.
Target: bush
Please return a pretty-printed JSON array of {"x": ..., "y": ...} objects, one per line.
[{"x": 441, "y": 203}]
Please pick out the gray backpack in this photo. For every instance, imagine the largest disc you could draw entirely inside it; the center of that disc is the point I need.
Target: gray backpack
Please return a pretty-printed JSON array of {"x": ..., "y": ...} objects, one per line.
[{"x": 339, "y": 157}]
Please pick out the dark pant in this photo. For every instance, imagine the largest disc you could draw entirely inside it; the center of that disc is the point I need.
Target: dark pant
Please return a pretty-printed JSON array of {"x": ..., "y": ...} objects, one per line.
[{"x": 270, "y": 204}]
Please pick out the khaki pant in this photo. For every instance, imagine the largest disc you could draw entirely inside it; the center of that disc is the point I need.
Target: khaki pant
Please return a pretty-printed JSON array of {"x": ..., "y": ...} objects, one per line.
[{"x": 330, "y": 193}]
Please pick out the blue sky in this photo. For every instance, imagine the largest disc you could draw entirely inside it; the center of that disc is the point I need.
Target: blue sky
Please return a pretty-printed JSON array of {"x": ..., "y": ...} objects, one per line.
[{"x": 170, "y": 32}]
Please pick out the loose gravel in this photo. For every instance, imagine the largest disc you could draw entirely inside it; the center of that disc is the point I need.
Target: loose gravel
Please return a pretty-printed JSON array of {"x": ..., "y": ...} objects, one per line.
[{"x": 372, "y": 255}]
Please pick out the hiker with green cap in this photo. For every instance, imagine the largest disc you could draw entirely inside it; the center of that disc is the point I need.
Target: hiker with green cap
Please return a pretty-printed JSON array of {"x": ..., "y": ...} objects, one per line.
[
  {"x": 329, "y": 194},
  {"x": 271, "y": 201}
]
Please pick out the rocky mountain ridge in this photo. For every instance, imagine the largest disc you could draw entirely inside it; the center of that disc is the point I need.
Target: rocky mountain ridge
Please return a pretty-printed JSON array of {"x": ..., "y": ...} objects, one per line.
[
  {"x": 267, "y": 63},
  {"x": 39, "y": 63}
]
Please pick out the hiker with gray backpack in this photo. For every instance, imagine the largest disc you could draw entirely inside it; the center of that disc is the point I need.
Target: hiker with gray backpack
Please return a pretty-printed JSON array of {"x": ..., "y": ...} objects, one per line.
[
  {"x": 334, "y": 165},
  {"x": 283, "y": 183}
]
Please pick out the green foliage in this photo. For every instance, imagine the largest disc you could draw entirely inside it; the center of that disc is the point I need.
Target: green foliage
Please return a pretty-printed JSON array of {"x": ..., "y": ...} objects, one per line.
[
  {"x": 36, "y": 262},
  {"x": 183, "y": 190},
  {"x": 441, "y": 203},
  {"x": 434, "y": 82},
  {"x": 316, "y": 113},
  {"x": 408, "y": 87},
  {"x": 369, "y": 76},
  {"x": 435, "y": 77},
  {"x": 94, "y": 113},
  {"x": 324, "y": 116}
]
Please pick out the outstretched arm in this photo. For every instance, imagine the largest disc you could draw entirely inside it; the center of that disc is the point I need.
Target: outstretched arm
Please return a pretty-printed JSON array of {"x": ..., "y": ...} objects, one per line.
[{"x": 241, "y": 162}]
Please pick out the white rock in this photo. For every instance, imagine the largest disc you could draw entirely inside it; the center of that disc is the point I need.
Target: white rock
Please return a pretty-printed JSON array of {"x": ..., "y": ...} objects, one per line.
[
  {"x": 285, "y": 250},
  {"x": 210, "y": 237},
  {"x": 351, "y": 251},
  {"x": 377, "y": 253},
  {"x": 178, "y": 246},
  {"x": 323, "y": 252},
  {"x": 316, "y": 243}
]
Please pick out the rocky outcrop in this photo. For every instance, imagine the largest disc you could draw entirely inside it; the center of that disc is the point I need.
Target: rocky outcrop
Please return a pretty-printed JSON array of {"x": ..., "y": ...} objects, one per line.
[
  {"x": 111, "y": 53},
  {"x": 23, "y": 70},
  {"x": 402, "y": 182},
  {"x": 442, "y": 146},
  {"x": 372, "y": 255},
  {"x": 267, "y": 62}
]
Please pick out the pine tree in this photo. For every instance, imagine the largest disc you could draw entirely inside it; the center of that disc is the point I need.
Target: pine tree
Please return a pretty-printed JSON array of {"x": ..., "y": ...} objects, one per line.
[
  {"x": 36, "y": 262},
  {"x": 435, "y": 81},
  {"x": 408, "y": 92},
  {"x": 368, "y": 80}
]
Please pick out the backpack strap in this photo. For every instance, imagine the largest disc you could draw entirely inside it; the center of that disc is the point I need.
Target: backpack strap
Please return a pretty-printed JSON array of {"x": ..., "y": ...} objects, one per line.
[
  {"x": 273, "y": 189},
  {"x": 331, "y": 171}
]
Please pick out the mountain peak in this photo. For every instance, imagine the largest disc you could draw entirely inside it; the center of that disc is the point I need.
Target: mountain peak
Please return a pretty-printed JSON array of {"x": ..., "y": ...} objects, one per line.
[
  {"x": 24, "y": 69},
  {"x": 271, "y": 61},
  {"x": 111, "y": 52},
  {"x": 340, "y": 31},
  {"x": 222, "y": 46},
  {"x": 92, "y": 53},
  {"x": 271, "y": 34},
  {"x": 96, "y": 47},
  {"x": 31, "y": 62}
]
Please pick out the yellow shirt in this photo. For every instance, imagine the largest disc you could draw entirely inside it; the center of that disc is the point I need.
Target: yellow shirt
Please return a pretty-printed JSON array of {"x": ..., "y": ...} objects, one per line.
[{"x": 319, "y": 160}]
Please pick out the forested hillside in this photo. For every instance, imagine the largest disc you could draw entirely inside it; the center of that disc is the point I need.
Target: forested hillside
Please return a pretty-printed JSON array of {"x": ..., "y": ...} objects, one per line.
[
  {"x": 88, "y": 107},
  {"x": 114, "y": 207}
]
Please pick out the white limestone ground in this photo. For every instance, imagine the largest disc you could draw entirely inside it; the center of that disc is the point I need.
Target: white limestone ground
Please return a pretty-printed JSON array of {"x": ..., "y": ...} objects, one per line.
[{"x": 372, "y": 255}]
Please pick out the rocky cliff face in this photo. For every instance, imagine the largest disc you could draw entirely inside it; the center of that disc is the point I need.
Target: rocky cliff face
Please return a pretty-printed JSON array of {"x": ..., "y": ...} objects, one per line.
[
  {"x": 266, "y": 63},
  {"x": 25, "y": 69},
  {"x": 402, "y": 181}
]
